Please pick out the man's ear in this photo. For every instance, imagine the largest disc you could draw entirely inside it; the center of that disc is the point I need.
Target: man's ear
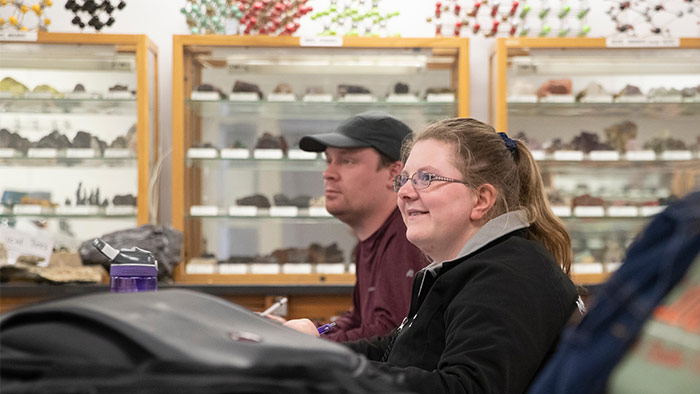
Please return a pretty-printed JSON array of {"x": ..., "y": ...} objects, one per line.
[
  {"x": 485, "y": 196},
  {"x": 394, "y": 170}
]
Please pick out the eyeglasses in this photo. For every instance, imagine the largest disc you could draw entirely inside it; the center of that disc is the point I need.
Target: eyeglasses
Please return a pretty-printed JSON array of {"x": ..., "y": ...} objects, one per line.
[{"x": 421, "y": 180}]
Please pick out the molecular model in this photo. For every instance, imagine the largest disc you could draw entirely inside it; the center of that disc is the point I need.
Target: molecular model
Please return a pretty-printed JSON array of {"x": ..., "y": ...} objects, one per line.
[
  {"x": 19, "y": 15},
  {"x": 649, "y": 18},
  {"x": 354, "y": 18},
  {"x": 271, "y": 17},
  {"x": 96, "y": 14},
  {"x": 491, "y": 18}
]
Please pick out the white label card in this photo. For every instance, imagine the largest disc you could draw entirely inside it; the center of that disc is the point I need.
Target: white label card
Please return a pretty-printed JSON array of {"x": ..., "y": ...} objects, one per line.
[
  {"x": 568, "y": 155},
  {"x": 274, "y": 154},
  {"x": 238, "y": 153},
  {"x": 18, "y": 243},
  {"x": 327, "y": 268},
  {"x": 18, "y": 35},
  {"x": 589, "y": 211},
  {"x": 76, "y": 153},
  {"x": 262, "y": 268},
  {"x": 640, "y": 155},
  {"x": 634, "y": 42},
  {"x": 242, "y": 211},
  {"x": 587, "y": 268},
  {"x": 677, "y": 155},
  {"x": 623, "y": 211},
  {"x": 284, "y": 211},
  {"x": 298, "y": 154},
  {"x": 318, "y": 211},
  {"x": 561, "y": 211},
  {"x": 204, "y": 210},
  {"x": 604, "y": 155},
  {"x": 296, "y": 268},
  {"x": 202, "y": 153},
  {"x": 321, "y": 41},
  {"x": 42, "y": 153}
]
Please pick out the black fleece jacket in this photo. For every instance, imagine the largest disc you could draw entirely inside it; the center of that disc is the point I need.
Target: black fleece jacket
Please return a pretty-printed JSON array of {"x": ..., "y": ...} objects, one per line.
[{"x": 482, "y": 323}]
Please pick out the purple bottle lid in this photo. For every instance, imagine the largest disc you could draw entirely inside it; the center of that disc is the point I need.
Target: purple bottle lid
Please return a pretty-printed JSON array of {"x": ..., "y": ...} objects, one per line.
[{"x": 133, "y": 270}]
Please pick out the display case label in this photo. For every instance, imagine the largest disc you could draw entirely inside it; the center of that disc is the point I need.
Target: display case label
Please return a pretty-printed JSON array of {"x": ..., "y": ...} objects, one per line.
[
  {"x": 440, "y": 98},
  {"x": 587, "y": 268},
  {"x": 204, "y": 210},
  {"x": 402, "y": 98},
  {"x": 651, "y": 211},
  {"x": 561, "y": 211},
  {"x": 27, "y": 209},
  {"x": 244, "y": 96},
  {"x": 296, "y": 268},
  {"x": 18, "y": 36},
  {"x": 274, "y": 154},
  {"x": 641, "y": 42},
  {"x": 558, "y": 98},
  {"x": 18, "y": 243},
  {"x": 298, "y": 154},
  {"x": 77, "y": 153},
  {"x": 238, "y": 153},
  {"x": 281, "y": 97},
  {"x": 42, "y": 153},
  {"x": 328, "y": 268},
  {"x": 284, "y": 211},
  {"x": 677, "y": 155},
  {"x": 318, "y": 98},
  {"x": 202, "y": 153},
  {"x": 205, "y": 96},
  {"x": 194, "y": 268},
  {"x": 242, "y": 211},
  {"x": 318, "y": 211},
  {"x": 538, "y": 154},
  {"x": 568, "y": 155},
  {"x": 113, "y": 153},
  {"x": 522, "y": 98},
  {"x": 321, "y": 41},
  {"x": 640, "y": 155},
  {"x": 78, "y": 210},
  {"x": 623, "y": 211},
  {"x": 266, "y": 269},
  {"x": 120, "y": 210},
  {"x": 358, "y": 98},
  {"x": 233, "y": 268},
  {"x": 9, "y": 153},
  {"x": 604, "y": 155},
  {"x": 589, "y": 211}
]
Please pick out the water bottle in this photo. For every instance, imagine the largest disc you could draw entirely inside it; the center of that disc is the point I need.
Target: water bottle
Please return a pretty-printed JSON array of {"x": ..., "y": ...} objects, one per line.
[{"x": 132, "y": 270}]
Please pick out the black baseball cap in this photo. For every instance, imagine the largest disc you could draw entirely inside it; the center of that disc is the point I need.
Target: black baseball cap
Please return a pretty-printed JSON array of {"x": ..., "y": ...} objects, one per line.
[{"x": 375, "y": 129}]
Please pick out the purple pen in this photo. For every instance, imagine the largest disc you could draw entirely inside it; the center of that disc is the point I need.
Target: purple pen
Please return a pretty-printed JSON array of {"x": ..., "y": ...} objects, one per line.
[{"x": 325, "y": 328}]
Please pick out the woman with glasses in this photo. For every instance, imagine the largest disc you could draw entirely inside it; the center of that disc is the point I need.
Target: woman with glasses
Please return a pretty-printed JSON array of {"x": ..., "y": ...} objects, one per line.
[{"x": 488, "y": 310}]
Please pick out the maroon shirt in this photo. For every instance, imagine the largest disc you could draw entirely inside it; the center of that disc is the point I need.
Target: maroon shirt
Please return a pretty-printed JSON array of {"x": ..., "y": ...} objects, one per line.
[{"x": 385, "y": 266}]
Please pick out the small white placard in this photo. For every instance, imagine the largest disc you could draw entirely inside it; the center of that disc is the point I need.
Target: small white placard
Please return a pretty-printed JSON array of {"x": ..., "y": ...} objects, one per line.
[
  {"x": 522, "y": 98},
  {"x": 538, "y": 154},
  {"x": 321, "y": 41},
  {"x": 296, "y": 268},
  {"x": 78, "y": 210},
  {"x": 9, "y": 153},
  {"x": 589, "y": 211},
  {"x": 5, "y": 94},
  {"x": 351, "y": 268},
  {"x": 205, "y": 96},
  {"x": 612, "y": 267},
  {"x": 587, "y": 268},
  {"x": 204, "y": 210},
  {"x": 9, "y": 35},
  {"x": 330, "y": 268},
  {"x": 236, "y": 210},
  {"x": 637, "y": 98},
  {"x": 358, "y": 98},
  {"x": 284, "y": 211},
  {"x": 238, "y": 153},
  {"x": 561, "y": 211},
  {"x": 42, "y": 153},
  {"x": 202, "y": 153},
  {"x": 119, "y": 95},
  {"x": 18, "y": 243},
  {"x": 194, "y": 268},
  {"x": 244, "y": 96},
  {"x": 273, "y": 154},
  {"x": 77, "y": 153},
  {"x": 265, "y": 268},
  {"x": 597, "y": 99},
  {"x": 666, "y": 99},
  {"x": 120, "y": 210},
  {"x": 318, "y": 98},
  {"x": 27, "y": 209},
  {"x": 318, "y": 211},
  {"x": 113, "y": 153},
  {"x": 40, "y": 95},
  {"x": 651, "y": 211},
  {"x": 568, "y": 155},
  {"x": 640, "y": 42},
  {"x": 3, "y": 210},
  {"x": 281, "y": 97},
  {"x": 604, "y": 155},
  {"x": 233, "y": 268},
  {"x": 676, "y": 155},
  {"x": 440, "y": 98},
  {"x": 623, "y": 211},
  {"x": 402, "y": 98},
  {"x": 82, "y": 95},
  {"x": 640, "y": 155},
  {"x": 558, "y": 98},
  {"x": 298, "y": 154}
]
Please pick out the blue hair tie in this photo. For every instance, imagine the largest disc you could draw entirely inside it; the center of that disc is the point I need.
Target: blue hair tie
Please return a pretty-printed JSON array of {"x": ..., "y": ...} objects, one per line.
[{"x": 510, "y": 144}]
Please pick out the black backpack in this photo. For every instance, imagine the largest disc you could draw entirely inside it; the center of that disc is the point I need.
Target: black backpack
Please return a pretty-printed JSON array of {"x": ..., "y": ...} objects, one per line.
[{"x": 170, "y": 341}]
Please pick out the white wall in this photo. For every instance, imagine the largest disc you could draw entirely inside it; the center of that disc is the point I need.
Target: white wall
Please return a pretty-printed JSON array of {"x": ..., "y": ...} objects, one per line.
[{"x": 160, "y": 19}]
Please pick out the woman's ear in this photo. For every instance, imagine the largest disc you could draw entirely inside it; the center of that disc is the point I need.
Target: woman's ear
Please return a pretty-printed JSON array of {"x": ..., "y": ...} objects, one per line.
[{"x": 485, "y": 196}]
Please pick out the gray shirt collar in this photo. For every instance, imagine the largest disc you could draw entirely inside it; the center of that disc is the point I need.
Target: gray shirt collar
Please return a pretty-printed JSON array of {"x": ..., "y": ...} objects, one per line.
[{"x": 493, "y": 229}]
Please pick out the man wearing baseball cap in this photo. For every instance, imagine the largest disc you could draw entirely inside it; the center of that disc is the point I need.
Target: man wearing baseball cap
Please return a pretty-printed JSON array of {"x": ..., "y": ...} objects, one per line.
[{"x": 363, "y": 157}]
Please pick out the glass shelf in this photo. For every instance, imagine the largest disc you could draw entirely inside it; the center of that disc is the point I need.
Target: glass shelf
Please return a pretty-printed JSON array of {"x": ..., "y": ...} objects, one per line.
[
  {"x": 258, "y": 218},
  {"x": 338, "y": 110},
  {"x": 69, "y": 162},
  {"x": 97, "y": 106},
  {"x": 68, "y": 216},
  {"x": 633, "y": 110}
]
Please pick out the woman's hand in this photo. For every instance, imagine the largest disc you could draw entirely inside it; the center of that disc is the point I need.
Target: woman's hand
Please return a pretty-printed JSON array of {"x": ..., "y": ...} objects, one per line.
[{"x": 303, "y": 325}]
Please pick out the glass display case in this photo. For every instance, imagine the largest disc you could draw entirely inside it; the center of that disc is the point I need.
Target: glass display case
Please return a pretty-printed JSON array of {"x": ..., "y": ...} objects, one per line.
[
  {"x": 249, "y": 201},
  {"x": 78, "y": 134},
  {"x": 613, "y": 124}
]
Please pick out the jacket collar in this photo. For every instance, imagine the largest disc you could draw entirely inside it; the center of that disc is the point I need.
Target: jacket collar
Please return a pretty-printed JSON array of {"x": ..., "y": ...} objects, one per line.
[{"x": 492, "y": 230}]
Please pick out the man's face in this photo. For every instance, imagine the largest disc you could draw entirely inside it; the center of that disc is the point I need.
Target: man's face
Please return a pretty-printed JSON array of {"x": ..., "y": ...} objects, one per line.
[{"x": 353, "y": 184}]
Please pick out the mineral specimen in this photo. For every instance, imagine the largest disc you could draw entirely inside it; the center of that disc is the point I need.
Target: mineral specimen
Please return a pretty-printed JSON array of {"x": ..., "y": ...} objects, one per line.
[{"x": 619, "y": 134}]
